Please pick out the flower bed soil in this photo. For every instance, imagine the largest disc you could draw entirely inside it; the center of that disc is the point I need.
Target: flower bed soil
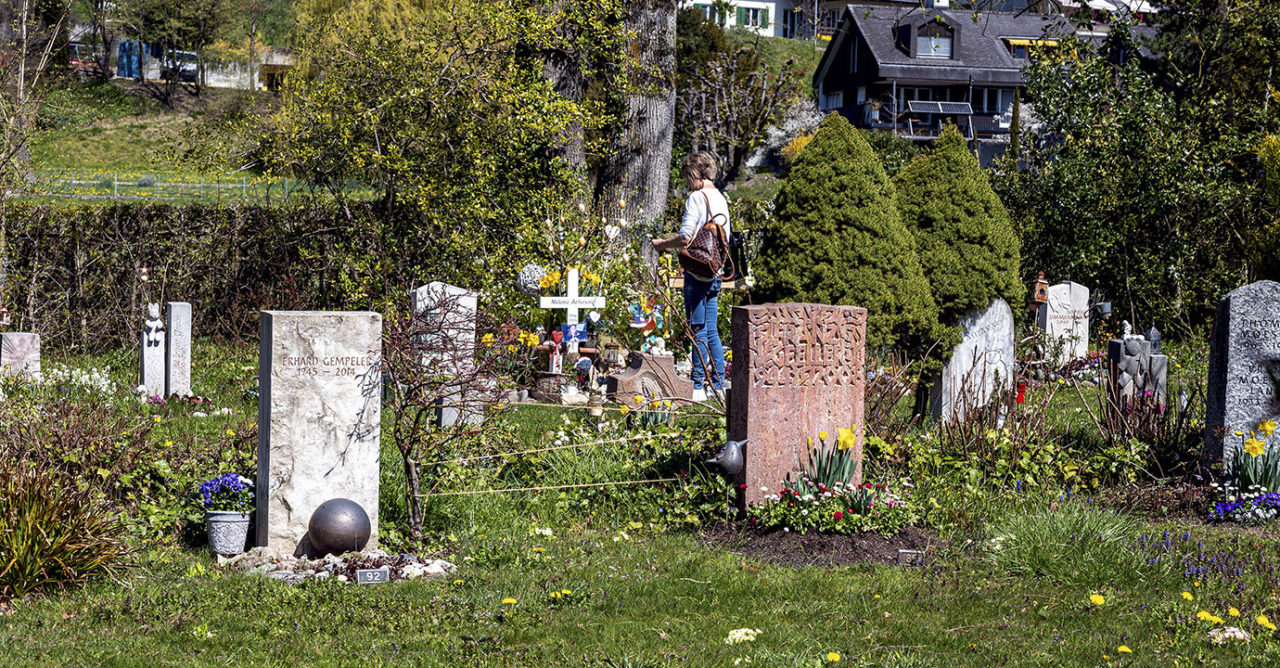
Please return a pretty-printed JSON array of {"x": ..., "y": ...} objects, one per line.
[{"x": 814, "y": 549}]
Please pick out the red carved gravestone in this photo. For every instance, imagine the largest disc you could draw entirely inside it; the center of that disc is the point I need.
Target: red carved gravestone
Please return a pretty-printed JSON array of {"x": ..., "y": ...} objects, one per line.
[{"x": 798, "y": 369}]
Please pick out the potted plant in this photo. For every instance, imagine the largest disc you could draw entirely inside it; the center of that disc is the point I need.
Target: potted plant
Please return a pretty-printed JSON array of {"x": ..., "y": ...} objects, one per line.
[{"x": 227, "y": 501}]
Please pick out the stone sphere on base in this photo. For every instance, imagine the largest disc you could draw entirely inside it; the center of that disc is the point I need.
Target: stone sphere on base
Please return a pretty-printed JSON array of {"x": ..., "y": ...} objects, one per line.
[{"x": 339, "y": 526}]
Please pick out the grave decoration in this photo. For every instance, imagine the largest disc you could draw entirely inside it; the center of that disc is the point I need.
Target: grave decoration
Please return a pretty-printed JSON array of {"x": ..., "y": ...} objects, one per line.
[
  {"x": 445, "y": 319},
  {"x": 572, "y": 303},
  {"x": 1136, "y": 371},
  {"x": 798, "y": 372},
  {"x": 1244, "y": 368},
  {"x": 980, "y": 368},
  {"x": 319, "y": 416},
  {"x": 151, "y": 376}
]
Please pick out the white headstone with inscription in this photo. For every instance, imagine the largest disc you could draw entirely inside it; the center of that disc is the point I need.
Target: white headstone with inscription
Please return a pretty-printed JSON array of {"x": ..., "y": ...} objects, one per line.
[
  {"x": 1065, "y": 320},
  {"x": 151, "y": 376},
  {"x": 319, "y": 419},
  {"x": 449, "y": 312},
  {"x": 980, "y": 367},
  {"x": 177, "y": 349}
]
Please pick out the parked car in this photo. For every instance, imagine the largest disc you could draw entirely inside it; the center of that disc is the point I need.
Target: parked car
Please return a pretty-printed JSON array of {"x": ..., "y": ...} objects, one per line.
[{"x": 183, "y": 65}]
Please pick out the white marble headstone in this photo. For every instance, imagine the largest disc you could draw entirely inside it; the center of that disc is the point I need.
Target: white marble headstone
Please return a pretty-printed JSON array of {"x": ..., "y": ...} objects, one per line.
[
  {"x": 454, "y": 309},
  {"x": 981, "y": 366},
  {"x": 151, "y": 376},
  {"x": 20, "y": 354},
  {"x": 177, "y": 363},
  {"x": 1065, "y": 318},
  {"x": 319, "y": 417}
]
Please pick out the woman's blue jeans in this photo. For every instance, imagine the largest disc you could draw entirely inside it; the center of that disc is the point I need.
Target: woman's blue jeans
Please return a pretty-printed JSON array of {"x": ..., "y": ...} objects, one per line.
[{"x": 700, "y": 302}]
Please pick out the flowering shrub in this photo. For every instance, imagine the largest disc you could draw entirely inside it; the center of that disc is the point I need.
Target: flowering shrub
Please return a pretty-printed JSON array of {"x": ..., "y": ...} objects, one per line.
[
  {"x": 229, "y": 491},
  {"x": 840, "y": 509}
]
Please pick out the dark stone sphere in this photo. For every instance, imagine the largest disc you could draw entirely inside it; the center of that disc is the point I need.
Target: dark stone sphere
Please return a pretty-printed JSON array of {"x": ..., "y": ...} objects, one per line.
[{"x": 339, "y": 526}]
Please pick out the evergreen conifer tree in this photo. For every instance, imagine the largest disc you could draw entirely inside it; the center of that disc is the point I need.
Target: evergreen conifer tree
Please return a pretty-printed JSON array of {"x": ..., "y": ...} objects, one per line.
[
  {"x": 838, "y": 239},
  {"x": 964, "y": 237}
]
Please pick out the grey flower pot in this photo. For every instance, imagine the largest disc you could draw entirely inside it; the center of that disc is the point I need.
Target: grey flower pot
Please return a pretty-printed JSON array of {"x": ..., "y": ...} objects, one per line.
[{"x": 228, "y": 530}]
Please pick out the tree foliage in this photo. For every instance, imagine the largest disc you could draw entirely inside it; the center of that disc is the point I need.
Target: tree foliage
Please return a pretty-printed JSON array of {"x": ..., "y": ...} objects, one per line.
[
  {"x": 1121, "y": 191},
  {"x": 838, "y": 239},
  {"x": 966, "y": 242}
]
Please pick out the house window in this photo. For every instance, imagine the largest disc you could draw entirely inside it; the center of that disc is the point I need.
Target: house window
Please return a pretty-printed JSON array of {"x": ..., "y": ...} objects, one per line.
[
  {"x": 832, "y": 100},
  {"x": 711, "y": 14},
  {"x": 934, "y": 41},
  {"x": 753, "y": 17}
]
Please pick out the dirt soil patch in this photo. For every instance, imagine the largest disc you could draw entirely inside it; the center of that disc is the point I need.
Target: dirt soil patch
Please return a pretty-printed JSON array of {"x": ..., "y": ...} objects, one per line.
[{"x": 814, "y": 549}]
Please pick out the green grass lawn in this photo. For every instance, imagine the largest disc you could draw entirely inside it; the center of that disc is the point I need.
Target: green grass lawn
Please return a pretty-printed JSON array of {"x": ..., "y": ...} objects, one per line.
[{"x": 647, "y": 587}]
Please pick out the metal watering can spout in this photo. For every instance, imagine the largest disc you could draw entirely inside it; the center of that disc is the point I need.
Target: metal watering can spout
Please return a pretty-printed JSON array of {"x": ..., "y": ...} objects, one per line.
[{"x": 730, "y": 458}]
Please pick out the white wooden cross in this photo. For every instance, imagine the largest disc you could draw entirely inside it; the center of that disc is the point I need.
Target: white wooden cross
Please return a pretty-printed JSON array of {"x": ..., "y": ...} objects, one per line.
[{"x": 571, "y": 303}]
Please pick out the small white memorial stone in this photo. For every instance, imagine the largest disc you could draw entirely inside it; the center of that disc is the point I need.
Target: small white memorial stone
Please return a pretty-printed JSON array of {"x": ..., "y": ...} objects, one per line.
[
  {"x": 319, "y": 417},
  {"x": 151, "y": 377},
  {"x": 177, "y": 364},
  {"x": 20, "y": 354},
  {"x": 1065, "y": 318},
  {"x": 457, "y": 306}
]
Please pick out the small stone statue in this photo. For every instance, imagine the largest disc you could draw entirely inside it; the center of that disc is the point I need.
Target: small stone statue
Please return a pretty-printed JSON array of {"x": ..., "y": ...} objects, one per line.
[
  {"x": 654, "y": 345},
  {"x": 1128, "y": 330},
  {"x": 153, "y": 327}
]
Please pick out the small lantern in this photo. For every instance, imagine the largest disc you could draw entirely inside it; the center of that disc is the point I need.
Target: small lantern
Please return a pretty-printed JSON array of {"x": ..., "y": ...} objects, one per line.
[
  {"x": 144, "y": 274},
  {"x": 4, "y": 315},
  {"x": 1042, "y": 290},
  {"x": 595, "y": 405},
  {"x": 1104, "y": 310},
  {"x": 612, "y": 356}
]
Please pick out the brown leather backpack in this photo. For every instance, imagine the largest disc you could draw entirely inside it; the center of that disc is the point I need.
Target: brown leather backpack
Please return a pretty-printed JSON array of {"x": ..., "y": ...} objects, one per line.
[{"x": 708, "y": 251}]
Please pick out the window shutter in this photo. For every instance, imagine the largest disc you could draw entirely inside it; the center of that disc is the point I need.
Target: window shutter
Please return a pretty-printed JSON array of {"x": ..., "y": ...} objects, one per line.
[
  {"x": 764, "y": 18},
  {"x": 742, "y": 17}
]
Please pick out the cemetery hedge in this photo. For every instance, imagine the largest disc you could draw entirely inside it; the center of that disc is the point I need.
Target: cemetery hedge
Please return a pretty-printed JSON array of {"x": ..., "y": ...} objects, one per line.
[
  {"x": 837, "y": 238},
  {"x": 74, "y": 271},
  {"x": 965, "y": 240}
]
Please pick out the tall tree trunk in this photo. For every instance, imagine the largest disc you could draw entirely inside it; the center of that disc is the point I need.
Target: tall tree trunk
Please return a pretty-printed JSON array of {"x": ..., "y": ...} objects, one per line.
[{"x": 637, "y": 170}]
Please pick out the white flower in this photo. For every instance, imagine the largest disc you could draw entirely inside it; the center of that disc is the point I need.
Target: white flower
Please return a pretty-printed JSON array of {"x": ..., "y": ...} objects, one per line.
[{"x": 741, "y": 635}]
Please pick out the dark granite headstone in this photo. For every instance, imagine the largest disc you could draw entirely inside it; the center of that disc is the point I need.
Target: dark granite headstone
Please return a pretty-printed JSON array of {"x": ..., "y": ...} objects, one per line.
[{"x": 1244, "y": 367}]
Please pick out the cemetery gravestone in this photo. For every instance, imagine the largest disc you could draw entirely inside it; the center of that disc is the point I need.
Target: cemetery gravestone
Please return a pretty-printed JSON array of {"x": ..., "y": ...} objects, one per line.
[
  {"x": 319, "y": 417},
  {"x": 1065, "y": 319},
  {"x": 20, "y": 354},
  {"x": 151, "y": 377},
  {"x": 798, "y": 369},
  {"x": 981, "y": 366},
  {"x": 572, "y": 303},
  {"x": 1244, "y": 367},
  {"x": 177, "y": 363},
  {"x": 453, "y": 311}
]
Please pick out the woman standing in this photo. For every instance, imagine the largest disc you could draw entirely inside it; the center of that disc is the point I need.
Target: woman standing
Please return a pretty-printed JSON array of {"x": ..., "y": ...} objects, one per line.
[{"x": 701, "y": 293}]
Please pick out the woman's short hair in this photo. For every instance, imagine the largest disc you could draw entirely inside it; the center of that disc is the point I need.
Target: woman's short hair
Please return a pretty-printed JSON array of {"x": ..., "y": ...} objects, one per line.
[{"x": 699, "y": 165}]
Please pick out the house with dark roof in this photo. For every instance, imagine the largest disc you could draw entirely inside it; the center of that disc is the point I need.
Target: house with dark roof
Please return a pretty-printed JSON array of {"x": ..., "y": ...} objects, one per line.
[{"x": 910, "y": 70}]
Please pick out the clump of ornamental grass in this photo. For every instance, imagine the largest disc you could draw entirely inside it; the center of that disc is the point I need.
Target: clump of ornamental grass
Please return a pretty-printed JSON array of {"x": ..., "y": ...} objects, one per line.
[
  {"x": 1077, "y": 545},
  {"x": 54, "y": 533}
]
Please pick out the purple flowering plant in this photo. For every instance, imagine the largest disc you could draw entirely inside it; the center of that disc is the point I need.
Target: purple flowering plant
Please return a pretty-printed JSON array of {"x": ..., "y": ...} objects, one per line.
[{"x": 229, "y": 491}]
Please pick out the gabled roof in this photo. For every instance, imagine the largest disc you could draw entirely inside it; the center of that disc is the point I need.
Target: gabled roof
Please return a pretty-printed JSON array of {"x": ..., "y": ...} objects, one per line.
[{"x": 981, "y": 51}]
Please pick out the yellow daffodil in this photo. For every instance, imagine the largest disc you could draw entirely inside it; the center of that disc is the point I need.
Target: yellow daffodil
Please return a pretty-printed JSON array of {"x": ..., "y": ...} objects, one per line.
[
  {"x": 1254, "y": 447},
  {"x": 639, "y": 399},
  {"x": 822, "y": 435},
  {"x": 508, "y": 601},
  {"x": 1267, "y": 427},
  {"x": 1233, "y": 612},
  {"x": 666, "y": 403},
  {"x": 1187, "y": 595},
  {"x": 487, "y": 339},
  {"x": 846, "y": 438},
  {"x": 833, "y": 656},
  {"x": 1265, "y": 623},
  {"x": 624, "y": 409},
  {"x": 1124, "y": 649},
  {"x": 1097, "y": 599}
]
